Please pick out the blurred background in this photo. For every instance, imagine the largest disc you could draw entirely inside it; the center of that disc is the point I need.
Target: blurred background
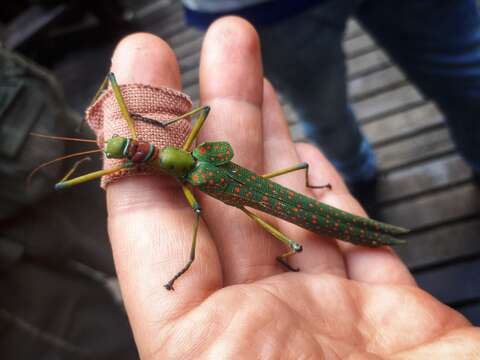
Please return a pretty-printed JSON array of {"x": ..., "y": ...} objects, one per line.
[{"x": 58, "y": 293}]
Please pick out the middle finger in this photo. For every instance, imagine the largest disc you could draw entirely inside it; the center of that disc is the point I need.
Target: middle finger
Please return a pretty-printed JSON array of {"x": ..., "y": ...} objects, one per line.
[{"x": 231, "y": 82}]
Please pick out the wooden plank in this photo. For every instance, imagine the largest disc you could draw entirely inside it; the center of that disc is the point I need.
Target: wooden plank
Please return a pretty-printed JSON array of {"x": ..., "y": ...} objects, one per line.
[
  {"x": 414, "y": 149},
  {"x": 358, "y": 46},
  {"x": 298, "y": 133},
  {"x": 367, "y": 63},
  {"x": 353, "y": 29},
  {"x": 189, "y": 62},
  {"x": 188, "y": 35},
  {"x": 154, "y": 9},
  {"x": 165, "y": 24},
  {"x": 291, "y": 116},
  {"x": 385, "y": 103},
  {"x": 182, "y": 35},
  {"x": 375, "y": 83},
  {"x": 434, "y": 209},
  {"x": 189, "y": 48},
  {"x": 414, "y": 180},
  {"x": 193, "y": 91},
  {"x": 454, "y": 283},
  {"x": 441, "y": 245},
  {"x": 404, "y": 124},
  {"x": 190, "y": 77}
]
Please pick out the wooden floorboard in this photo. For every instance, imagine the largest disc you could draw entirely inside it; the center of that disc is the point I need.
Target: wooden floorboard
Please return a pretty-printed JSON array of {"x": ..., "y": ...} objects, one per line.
[
  {"x": 352, "y": 29},
  {"x": 408, "y": 182},
  {"x": 441, "y": 245},
  {"x": 454, "y": 283},
  {"x": 434, "y": 209},
  {"x": 426, "y": 186},
  {"x": 414, "y": 149},
  {"x": 403, "y": 125},
  {"x": 190, "y": 78},
  {"x": 358, "y": 46},
  {"x": 189, "y": 62},
  {"x": 189, "y": 35},
  {"x": 367, "y": 63},
  {"x": 375, "y": 83},
  {"x": 386, "y": 103}
]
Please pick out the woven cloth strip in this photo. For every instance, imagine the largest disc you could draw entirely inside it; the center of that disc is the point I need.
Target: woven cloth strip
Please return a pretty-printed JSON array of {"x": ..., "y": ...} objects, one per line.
[{"x": 105, "y": 118}]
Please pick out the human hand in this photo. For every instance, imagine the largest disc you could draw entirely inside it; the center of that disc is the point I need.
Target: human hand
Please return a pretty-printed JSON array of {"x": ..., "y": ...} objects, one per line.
[{"x": 236, "y": 301}]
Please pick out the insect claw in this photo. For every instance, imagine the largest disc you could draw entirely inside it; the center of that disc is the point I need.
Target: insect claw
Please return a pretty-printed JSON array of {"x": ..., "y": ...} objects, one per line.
[
  {"x": 297, "y": 248},
  {"x": 169, "y": 286},
  {"x": 287, "y": 265}
]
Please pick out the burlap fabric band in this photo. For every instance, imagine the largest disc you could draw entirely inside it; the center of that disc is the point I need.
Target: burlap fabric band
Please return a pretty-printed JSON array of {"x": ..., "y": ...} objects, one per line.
[{"x": 105, "y": 118}]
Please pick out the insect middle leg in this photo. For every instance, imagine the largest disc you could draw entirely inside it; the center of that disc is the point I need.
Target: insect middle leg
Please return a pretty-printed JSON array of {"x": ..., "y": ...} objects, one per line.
[
  {"x": 203, "y": 111},
  {"x": 294, "y": 246},
  {"x": 299, "y": 166},
  {"x": 196, "y": 208}
]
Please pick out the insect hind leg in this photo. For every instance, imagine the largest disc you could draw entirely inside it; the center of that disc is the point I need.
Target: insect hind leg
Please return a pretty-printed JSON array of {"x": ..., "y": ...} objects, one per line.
[
  {"x": 282, "y": 259},
  {"x": 197, "y": 210},
  {"x": 293, "y": 168},
  {"x": 293, "y": 245}
]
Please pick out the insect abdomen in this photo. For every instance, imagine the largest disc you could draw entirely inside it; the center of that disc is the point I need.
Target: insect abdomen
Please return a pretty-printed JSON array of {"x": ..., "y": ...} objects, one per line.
[{"x": 239, "y": 187}]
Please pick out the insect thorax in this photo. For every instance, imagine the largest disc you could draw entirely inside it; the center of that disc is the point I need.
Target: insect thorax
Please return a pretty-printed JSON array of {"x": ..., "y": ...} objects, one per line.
[{"x": 175, "y": 162}]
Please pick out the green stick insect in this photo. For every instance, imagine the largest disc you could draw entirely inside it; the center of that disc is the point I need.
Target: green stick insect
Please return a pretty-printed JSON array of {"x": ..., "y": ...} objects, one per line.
[{"x": 208, "y": 167}]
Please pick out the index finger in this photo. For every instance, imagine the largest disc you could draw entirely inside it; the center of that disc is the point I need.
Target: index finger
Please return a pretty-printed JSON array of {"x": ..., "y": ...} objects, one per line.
[{"x": 150, "y": 223}]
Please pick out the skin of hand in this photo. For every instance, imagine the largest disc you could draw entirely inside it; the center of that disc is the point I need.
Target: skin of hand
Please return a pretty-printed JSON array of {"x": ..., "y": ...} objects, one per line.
[{"x": 236, "y": 302}]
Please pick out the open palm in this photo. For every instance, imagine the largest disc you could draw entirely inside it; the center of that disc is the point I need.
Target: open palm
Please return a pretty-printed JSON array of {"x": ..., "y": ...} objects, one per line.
[{"x": 236, "y": 302}]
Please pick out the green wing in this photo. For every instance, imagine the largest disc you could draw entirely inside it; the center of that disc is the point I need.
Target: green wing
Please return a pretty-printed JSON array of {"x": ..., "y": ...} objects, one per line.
[{"x": 216, "y": 153}]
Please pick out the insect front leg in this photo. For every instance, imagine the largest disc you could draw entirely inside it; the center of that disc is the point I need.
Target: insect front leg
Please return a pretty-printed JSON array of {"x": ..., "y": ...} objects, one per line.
[
  {"x": 64, "y": 183},
  {"x": 197, "y": 210},
  {"x": 102, "y": 87},
  {"x": 294, "y": 246},
  {"x": 121, "y": 103},
  {"x": 290, "y": 169},
  {"x": 110, "y": 78}
]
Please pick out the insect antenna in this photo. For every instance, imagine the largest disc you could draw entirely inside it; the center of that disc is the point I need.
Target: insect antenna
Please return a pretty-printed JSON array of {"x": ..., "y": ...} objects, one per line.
[
  {"x": 62, "y": 138},
  {"x": 34, "y": 171}
]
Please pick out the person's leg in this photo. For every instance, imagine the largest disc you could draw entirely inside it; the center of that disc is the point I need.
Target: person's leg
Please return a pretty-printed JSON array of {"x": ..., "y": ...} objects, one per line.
[
  {"x": 303, "y": 58},
  {"x": 437, "y": 43}
]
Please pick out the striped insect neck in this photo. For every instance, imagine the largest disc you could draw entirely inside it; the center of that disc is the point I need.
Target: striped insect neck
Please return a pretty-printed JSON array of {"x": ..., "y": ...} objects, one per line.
[
  {"x": 140, "y": 151},
  {"x": 119, "y": 147}
]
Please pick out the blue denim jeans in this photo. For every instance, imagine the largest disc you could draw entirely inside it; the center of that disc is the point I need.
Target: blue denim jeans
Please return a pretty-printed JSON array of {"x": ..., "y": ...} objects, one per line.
[{"x": 435, "y": 42}]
